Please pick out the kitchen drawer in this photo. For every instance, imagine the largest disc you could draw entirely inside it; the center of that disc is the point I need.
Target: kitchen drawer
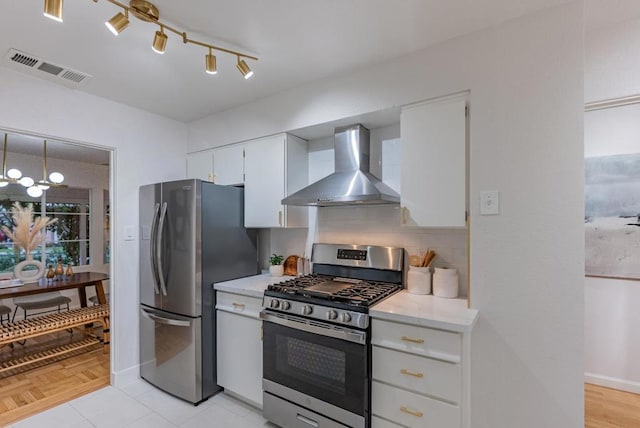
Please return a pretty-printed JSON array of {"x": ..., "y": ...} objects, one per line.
[
  {"x": 239, "y": 304},
  {"x": 423, "y": 341},
  {"x": 419, "y": 374},
  {"x": 412, "y": 410},
  {"x": 376, "y": 422}
]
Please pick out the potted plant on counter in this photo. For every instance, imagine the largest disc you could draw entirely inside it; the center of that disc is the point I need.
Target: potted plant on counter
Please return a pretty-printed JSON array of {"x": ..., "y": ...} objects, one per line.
[{"x": 275, "y": 265}]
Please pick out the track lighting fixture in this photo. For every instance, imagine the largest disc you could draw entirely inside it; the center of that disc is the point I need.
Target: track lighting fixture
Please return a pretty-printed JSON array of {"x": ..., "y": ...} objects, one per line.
[
  {"x": 159, "y": 41},
  {"x": 210, "y": 63},
  {"x": 118, "y": 23},
  {"x": 53, "y": 9},
  {"x": 244, "y": 68},
  {"x": 148, "y": 12}
]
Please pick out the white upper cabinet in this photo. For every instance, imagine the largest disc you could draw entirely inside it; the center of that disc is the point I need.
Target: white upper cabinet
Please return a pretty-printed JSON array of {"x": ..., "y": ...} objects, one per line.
[
  {"x": 275, "y": 167},
  {"x": 200, "y": 165},
  {"x": 434, "y": 163},
  {"x": 228, "y": 165}
]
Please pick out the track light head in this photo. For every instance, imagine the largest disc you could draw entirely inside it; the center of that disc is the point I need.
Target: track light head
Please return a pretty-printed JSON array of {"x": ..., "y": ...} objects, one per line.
[
  {"x": 159, "y": 42},
  {"x": 244, "y": 69},
  {"x": 118, "y": 23},
  {"x": 210, "y": 63},
  {"x": 53, "y": 9}
]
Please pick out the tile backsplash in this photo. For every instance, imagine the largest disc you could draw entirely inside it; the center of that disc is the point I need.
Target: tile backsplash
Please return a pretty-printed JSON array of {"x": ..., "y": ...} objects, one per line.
[{"x": 380, "y": 225}]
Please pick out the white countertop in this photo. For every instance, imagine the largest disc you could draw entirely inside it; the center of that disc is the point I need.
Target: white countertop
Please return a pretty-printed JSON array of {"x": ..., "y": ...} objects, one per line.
[
  {"x": 427, "y": 311},
  {"x": 252, "y": 286}
]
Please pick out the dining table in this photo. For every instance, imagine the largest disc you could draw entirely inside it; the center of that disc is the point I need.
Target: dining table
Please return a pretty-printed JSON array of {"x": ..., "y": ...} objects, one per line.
[{"x": 79, "y": 281}]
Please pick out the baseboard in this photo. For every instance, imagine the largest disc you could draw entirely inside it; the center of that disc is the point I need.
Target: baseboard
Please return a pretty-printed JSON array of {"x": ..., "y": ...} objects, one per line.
[
  {"x": 125, "y": 377},
  {"x": 610, "y": 382}
]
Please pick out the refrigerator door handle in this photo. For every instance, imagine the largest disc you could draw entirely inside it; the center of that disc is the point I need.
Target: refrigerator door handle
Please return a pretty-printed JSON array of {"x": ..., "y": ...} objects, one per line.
[
  {"x": 166, "y": 321},
  {"x": 163, "y": 215},
  {"x": 154, "y": 262}
]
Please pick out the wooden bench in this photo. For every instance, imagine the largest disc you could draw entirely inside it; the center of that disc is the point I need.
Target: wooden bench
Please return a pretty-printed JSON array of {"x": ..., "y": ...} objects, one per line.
[{"x": 51, "y": 323}]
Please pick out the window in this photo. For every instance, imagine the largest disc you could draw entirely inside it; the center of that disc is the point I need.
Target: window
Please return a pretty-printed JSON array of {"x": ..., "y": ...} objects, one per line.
[{"x": 68, "y": 238}]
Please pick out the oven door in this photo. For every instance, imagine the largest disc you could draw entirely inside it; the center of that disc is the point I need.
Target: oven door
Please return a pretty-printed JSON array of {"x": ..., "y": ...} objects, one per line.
[{"x": 324, "y": 361}]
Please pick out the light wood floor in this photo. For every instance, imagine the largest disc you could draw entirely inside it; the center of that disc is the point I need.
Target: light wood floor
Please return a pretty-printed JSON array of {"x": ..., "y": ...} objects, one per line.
[
  {"x": 25, "y": 392},
  {"x": 610, "y": 408}
]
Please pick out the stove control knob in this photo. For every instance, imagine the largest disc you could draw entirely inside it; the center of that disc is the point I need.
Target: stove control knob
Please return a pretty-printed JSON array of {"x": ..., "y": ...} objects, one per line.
[
  {"x": 275, "y": 303},
  {"x": 331, "y": 314},
  {"x": 345, "y": 317},
  {"x": 306, "y": 310},
  {"x": 285, "y": 306}
]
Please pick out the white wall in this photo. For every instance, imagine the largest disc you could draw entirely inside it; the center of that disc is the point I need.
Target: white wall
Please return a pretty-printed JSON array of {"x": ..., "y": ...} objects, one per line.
[
  {"x": 612, "y": 322},
  {"x": 526, "y": 83},
  {"x": 146, "y": 149}
]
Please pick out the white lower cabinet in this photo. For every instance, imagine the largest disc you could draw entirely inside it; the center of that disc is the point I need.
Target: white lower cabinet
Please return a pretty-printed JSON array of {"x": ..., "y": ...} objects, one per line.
[
  {"x": 420, "y": 376},
  {"x": 239, "y": 346}
]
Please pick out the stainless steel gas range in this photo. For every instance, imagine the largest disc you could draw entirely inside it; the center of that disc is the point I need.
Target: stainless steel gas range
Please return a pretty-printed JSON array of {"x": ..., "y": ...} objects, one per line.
[{"x": 316, "y": 341}]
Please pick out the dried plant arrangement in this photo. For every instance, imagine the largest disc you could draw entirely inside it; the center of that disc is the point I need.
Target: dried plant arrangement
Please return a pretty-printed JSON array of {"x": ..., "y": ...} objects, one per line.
[{"x": 28, "y": 232}]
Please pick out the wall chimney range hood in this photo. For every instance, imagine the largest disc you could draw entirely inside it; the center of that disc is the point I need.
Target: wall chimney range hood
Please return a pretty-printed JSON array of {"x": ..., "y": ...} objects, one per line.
[{"x": 351, "y": 183}]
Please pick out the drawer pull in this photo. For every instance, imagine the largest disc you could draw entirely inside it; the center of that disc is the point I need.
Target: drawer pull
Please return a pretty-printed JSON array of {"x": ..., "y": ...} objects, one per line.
[
  {"x": 408, "y": 339},
  {"x": 238, "y": 305},
  {"x": 407, "y": 372},
  {"x": 411, "y": 412}
]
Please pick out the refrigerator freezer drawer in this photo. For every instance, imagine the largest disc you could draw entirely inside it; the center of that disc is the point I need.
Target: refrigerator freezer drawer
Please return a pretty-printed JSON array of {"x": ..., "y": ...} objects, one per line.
[{"x": 170, "y": 354}]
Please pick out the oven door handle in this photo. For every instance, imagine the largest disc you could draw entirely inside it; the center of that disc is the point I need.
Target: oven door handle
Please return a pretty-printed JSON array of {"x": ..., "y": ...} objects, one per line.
[{"x": 322, "y": 329}]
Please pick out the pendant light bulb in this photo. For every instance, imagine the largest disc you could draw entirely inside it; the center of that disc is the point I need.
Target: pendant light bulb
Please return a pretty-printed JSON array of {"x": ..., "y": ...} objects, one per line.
[
  {"x": 26, "y": 181},
  {"x": 244, "y": 69},
  {"x": 118, "y": 23},
  {"x": 210, "y": 63},
  {"x": 159, "y": 41},
  {"x": 56, "y": 177},
  {"x": 53, "y": 9},
  {"x": 14, "y": 173},
  {"x": 34, "y": 191},
  {"x": 43, "y": 185},
  {"x": 3, "y": 183}
]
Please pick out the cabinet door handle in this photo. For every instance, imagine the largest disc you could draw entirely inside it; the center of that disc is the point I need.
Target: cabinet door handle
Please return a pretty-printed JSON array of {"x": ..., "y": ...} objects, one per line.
[
  {"x": 238, "y": 305},
  {"x": 404, "y": 215},
  {"x": 415, "y": 413},
  {"x": 409, "y": 339},
  {"x": 407, "y": 372},
  {"x": 280, "y": 218}
]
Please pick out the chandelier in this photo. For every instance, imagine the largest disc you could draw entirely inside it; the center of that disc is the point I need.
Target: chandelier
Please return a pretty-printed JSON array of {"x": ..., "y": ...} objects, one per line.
[
  {"x": 148, "y": 12},
  {"x": 34, "y": 189}
]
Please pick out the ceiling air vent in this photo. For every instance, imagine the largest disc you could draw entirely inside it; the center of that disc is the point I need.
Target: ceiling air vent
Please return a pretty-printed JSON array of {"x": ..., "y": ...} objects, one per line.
[{"x": 31, "y": 64}]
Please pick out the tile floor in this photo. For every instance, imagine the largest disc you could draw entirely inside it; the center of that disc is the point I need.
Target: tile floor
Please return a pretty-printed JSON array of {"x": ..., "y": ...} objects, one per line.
[{"x": 140, "y": 405}]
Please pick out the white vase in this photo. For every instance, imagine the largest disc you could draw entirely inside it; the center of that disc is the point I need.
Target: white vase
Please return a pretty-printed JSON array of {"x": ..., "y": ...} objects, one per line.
[
  {"x": 276, "y": 270},
  {"x": 31, "y": 275}
]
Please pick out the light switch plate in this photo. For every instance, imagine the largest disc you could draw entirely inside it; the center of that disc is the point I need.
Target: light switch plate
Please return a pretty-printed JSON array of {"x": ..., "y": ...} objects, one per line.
[
  {"x": 129, "y": 233},
  {"x": 490, "y": 202}
]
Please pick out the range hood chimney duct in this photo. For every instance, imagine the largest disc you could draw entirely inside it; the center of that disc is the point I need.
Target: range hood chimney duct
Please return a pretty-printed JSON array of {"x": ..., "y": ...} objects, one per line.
[{"x": 351, "y": 183}]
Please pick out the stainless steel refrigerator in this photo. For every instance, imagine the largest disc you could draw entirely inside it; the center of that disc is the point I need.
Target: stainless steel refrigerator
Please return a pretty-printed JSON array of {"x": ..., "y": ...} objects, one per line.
[{"x": 191, "y": 235}]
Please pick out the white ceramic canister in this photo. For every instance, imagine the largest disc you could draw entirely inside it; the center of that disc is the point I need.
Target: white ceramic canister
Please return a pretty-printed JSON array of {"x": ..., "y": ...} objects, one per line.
[
  {"x": 445, "y": 283},
  {"x": 419, "y": 280}
]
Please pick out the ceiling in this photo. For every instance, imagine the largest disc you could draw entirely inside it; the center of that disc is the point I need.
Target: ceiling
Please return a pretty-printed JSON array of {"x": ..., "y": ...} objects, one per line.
[{"x": 296, "y": 42}]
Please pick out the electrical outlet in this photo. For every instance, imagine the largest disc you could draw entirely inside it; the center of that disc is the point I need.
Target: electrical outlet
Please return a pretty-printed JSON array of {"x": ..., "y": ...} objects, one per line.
[{"x": 489, "y": 202}]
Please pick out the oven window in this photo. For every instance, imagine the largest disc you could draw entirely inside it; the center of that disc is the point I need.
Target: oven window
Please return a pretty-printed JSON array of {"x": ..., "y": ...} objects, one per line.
[
  {"x": 312, "y": 362},
  {"x": 332, "y": 370}
]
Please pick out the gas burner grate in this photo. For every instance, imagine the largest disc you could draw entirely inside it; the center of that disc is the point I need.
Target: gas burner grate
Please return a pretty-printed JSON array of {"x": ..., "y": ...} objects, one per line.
[{"x": 358, "y": 293}]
